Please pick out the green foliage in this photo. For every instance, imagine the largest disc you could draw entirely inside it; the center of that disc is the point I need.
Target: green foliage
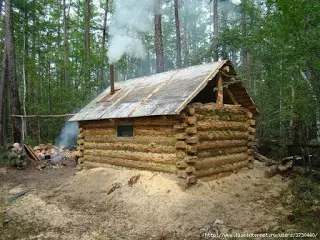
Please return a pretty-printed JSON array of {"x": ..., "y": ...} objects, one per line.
[{"x": 306, "y": 204}]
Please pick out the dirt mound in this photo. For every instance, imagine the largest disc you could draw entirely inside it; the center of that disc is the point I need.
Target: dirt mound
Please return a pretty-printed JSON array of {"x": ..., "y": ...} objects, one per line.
[{"x": 154, "y": 207}]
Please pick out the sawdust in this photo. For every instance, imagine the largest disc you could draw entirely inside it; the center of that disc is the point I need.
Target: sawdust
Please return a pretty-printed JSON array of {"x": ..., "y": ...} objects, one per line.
[{"x": 155, "y": 207}]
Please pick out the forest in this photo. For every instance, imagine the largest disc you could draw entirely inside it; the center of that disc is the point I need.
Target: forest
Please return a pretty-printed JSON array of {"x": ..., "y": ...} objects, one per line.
[{"x": 56, "y": 57}]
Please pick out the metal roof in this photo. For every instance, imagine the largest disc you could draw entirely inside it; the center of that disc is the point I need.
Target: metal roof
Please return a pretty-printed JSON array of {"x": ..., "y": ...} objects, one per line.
[{"x": 164, "y": 93}]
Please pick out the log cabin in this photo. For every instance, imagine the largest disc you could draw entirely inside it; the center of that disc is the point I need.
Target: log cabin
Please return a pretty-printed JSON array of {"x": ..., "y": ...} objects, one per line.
[{"x": 194, "y": 122}]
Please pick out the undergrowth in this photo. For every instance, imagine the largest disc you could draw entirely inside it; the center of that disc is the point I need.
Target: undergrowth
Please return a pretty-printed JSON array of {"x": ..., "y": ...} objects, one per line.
[{"x": 306, "y": 204}]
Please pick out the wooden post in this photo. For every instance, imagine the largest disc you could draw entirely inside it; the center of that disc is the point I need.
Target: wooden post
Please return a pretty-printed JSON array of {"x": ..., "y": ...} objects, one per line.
[{"x": 219, "y": 92}]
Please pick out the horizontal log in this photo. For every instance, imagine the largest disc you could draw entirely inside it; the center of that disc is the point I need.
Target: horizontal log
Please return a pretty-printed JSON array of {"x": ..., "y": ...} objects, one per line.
[
  {"x": 180, "y": 126},
  {"x": 252, "y": 122},
  {"x": 251, "y": 143},
  {"x": 180, "y": 136},
  {"x": 80, "y": 160},
  {"x": 251, "y": 130},
  {"x": 220, "y": 160},
  {"x": 182, "y": 165},
  {"x": 239, "y": 126},
  {"x": 99, "y": 131},
  {"x": 151, "y": 121},
  {"x": 221, "y": 169},
  {"x": 190, "y": 109},
  {"x": 222, "y": 135},
  {"x": 220, "y": 151},
  {"x": 182, "y": 174},
  {"x": 165, "y": 140},
  {"x": 80, "y": 147},
  {"x": 180, "y": 154},
  {"x": 154, "y": 122},
  {"x": 239, "y": 118},
  {"x": 89, "y": 159},
  {"x": 138, "y": 156},
  {"x": 191, "y": 130},
  {"x": 80, "y": 154},
  {"x": 222, "y": 144},
  {"x": 190, "y": 120},
  {"x": 190, "y": 169},
  {"x": 251, "y": 138},
  {"x": 149, "y": 130},
  {"x": 153, "y": 148},
  {"x": 192, "y": 140},
  {"x": 191, "y": 149},
  {"x": 80, "y": 142},
  {"x": 219, "y": 109},
  {"x": 190, "y": 159},
  {"x": 180, "y": 145}
]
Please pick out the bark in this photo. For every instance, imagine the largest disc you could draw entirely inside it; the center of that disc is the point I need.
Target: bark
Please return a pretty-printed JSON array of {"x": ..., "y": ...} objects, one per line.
[
  {"x": 65, "y": 43},
  {"x": 130, "y": 155},
  {"x": 93, "y": 161},
  {"x": 215, "y": 30},
  {"x": 158, "y": 38},
  {"x": 104, "y": 54},
  {"x": 185, "y": 39},
  {"x": 221, "y": 160},
  {"x": 87, "y": 41},
  {"x": 178, "y": 37},
  {"x": 9, "y": 73},
  {"x": 315, "y": 98}
]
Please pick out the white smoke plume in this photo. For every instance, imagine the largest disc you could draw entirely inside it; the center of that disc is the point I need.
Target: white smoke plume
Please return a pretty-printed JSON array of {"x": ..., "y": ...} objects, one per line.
[
  {"x": 68, "y": 134},
  {"x": 131, "y": 18}
]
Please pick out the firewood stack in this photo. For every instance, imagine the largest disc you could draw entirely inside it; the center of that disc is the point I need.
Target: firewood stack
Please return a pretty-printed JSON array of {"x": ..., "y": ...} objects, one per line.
[{"x": 186, "y": 145}]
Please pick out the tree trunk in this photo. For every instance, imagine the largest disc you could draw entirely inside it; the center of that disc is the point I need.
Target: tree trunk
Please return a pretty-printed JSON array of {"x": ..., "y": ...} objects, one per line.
[
  {"x": 185, "y": 39},
  {"x": 158, "y": 38},
  {"x": 178, "y": 37},
  {"x": 87, "y": 41},
  {"x": 65, "y": 44},
  {"x": 10, "y": 73},
  {"x": 104, "y": 54},
  {"x": 215, "y": 30}
]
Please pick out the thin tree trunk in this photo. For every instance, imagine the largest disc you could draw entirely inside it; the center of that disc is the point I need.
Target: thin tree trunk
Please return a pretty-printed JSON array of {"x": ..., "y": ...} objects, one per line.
[
  {"x": 178, "y": 37},
  {"x": 87, "y": 41},
  {"x": 215, "y": 30},
  {"x": 158, "y": 38},
  {"x": 104, "y": 53},
  {"x": 185, "y": 39},
  {"x": 65, "y": 44},
  {"x": 315, "y": 98}
]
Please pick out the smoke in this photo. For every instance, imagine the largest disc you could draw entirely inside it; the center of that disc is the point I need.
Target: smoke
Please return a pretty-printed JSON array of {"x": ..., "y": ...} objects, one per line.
[
  {"x": 68, "y": 134},
  {"x": 131, "y": 18}
]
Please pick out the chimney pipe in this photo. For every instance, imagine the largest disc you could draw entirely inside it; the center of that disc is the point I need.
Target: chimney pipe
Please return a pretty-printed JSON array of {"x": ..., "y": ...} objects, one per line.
[{"x": 111, "y": 79}]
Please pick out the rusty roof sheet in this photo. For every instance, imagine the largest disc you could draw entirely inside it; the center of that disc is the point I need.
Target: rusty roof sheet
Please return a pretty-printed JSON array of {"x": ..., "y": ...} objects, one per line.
[{"x": 164, "y": 93}]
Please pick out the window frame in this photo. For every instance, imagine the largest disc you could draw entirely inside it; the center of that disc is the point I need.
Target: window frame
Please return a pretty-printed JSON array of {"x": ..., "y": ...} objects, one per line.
[{"x": 124, "y": 125}]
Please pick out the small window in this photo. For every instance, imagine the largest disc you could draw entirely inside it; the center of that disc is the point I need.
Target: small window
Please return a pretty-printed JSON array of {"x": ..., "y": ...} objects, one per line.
[{"x": 125, "y": 131}]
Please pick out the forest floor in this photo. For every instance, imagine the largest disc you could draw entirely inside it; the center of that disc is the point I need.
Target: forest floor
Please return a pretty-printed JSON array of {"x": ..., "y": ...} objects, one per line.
[{"x": 68, "y": 204}]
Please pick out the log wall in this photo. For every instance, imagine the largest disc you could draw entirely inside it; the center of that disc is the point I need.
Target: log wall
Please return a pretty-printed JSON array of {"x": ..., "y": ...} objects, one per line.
[
  {"x": 152, "y": 147},
  {"x": 226, "y": 134},
  {"x": 203, "y": 140}
]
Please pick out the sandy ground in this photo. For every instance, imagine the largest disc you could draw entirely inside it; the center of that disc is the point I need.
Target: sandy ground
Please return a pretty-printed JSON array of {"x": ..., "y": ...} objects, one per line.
[{"x": 74, "y": 205}]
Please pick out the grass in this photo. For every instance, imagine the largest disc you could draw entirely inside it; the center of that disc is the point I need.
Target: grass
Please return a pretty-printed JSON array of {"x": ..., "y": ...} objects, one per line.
[
  {"x": 3, "y": 158},
  {"x": 306, "y": 204}
]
